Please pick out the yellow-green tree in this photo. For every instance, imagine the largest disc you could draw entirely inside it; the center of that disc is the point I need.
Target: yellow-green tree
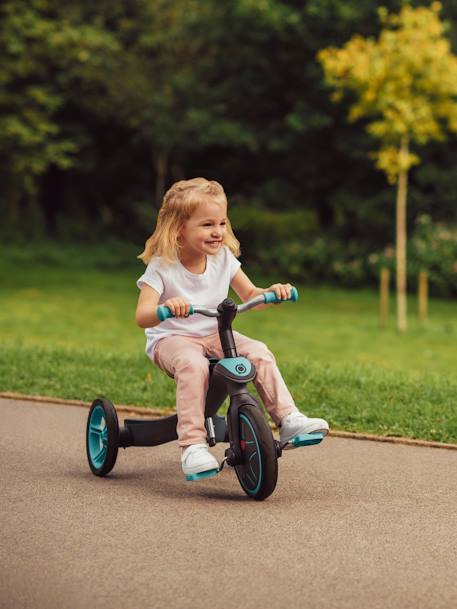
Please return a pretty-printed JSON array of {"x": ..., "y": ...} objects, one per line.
[{"x": 405, "y": 84}]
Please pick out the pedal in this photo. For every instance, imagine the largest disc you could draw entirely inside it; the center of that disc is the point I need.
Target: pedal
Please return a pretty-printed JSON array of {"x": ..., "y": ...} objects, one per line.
[
  {"x": 208, "y": 474},
  {"x": 304, "y": 440}
]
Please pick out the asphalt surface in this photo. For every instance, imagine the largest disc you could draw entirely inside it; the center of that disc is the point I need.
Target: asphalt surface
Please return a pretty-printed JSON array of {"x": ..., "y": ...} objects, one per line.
[{"x": 351, "y": 524}]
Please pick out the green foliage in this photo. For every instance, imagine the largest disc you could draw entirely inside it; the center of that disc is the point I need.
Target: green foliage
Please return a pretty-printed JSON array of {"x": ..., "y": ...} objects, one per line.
[
  {"x": 105, "y": 104},
  {"x": 111, "y": 254},
  {"x": 405, "y": 85},
  {"x": 405, "y": 82},
  {"x": 287, "y": 245},
  {"x": 40, "y": 49},
  {"x": 314, "y": 260},
  {"x": 273, "y": 242},
  {"x": 432, "y": 247}
]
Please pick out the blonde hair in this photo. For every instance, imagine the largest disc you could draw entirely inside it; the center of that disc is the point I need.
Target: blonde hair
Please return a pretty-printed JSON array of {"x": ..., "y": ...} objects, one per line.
[{"x": 179, "y": 203}]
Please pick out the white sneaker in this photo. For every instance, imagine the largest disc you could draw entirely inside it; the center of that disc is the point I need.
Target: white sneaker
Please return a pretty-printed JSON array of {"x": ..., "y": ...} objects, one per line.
[
  {"x": 297, "y": 424},
  {"x": 196, "y": 459}
]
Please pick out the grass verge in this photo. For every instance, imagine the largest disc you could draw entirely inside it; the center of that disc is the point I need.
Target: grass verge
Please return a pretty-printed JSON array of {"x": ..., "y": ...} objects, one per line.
[
  {"x": 67, "y": 331},
  {"x": 353, "y": 397}
]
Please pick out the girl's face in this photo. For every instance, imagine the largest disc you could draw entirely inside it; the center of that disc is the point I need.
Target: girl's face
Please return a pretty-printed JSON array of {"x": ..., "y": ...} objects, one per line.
[{"x": 204, "y": 231}]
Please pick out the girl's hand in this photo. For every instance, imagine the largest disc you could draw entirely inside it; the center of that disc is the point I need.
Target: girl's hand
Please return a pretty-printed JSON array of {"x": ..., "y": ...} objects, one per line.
[
  {"x": 282, "y": 290},
  {"x": 178, "y": 306}
]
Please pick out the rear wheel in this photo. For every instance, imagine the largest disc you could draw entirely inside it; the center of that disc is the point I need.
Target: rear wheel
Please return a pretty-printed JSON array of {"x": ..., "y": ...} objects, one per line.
[
  {"x": 102, "y": 437},
  {"x": 258, "y": 473}
]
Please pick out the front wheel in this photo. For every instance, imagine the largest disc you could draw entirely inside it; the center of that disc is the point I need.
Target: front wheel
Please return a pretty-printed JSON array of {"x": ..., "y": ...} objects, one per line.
[
  {"x": 258, "y": 473},
  {"x": 102, "y": 437}
]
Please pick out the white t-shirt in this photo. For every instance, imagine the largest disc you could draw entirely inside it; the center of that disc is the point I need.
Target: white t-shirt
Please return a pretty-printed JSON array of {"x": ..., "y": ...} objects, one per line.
[{"x": 207, "y": 289}]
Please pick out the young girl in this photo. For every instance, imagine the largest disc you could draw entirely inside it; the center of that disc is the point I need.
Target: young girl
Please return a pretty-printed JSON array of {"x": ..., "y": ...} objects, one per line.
[{"x": 191, "y": 259}]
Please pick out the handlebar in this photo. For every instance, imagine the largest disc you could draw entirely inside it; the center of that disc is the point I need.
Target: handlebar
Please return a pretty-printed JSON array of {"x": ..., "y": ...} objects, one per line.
[{"x": 164, "y": 313}]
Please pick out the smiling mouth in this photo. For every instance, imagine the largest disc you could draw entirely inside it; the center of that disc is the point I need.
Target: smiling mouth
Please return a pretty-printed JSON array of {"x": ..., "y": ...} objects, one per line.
[{"x": 213, "y": 242}]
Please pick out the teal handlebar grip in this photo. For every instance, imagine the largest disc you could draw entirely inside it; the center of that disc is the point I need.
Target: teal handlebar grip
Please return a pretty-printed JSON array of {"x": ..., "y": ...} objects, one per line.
[
  {"x": 270, "y": 297},
  {"x": 164, "y": 313}
]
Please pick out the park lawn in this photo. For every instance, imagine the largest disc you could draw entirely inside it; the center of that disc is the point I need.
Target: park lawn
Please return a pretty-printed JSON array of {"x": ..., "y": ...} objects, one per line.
[{"x": 70, "y": 332}]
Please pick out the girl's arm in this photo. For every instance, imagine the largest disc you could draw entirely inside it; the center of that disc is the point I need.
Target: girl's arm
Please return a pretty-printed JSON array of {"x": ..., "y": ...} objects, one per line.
[
  {"x": 148, "y": 301},
  {"x": 146, "y": 309},
  {"x": 246, "y": 290}
]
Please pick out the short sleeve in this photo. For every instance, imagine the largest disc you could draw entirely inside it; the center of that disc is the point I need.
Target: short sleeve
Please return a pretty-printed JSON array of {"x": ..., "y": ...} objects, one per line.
[
  {"x": 152, "y": 277},
  {"x": 234, "y": 264}
]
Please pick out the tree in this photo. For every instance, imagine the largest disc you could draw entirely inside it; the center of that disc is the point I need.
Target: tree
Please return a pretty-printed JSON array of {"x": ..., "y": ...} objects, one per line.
[
  {"x": 159, "y": 88},
  {"x": 41, "y": 45},
  {"x": 405, "y": 84}
]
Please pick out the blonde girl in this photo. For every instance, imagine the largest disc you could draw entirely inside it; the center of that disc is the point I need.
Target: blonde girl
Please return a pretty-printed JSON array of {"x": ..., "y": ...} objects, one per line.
[{"x": 192, "y": 258}]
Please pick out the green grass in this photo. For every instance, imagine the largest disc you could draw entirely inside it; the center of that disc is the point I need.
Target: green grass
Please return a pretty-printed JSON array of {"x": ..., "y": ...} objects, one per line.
[{"x": 69, "y": 332}]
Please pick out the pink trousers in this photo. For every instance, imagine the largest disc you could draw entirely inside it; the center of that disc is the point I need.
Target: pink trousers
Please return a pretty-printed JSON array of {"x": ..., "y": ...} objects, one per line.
[{"x": 184, "y": 359}]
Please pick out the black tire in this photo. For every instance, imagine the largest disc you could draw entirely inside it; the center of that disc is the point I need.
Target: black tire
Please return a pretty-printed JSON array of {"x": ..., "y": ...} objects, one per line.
[
  {"x": 102, "y": 437},
  {"x": 258, "y": 474}
]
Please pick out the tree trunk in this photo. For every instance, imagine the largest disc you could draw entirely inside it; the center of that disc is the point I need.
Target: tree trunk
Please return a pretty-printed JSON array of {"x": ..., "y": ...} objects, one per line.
[
  {"x": 161, "y": 175},
  {"x": 401, "y": 241}
]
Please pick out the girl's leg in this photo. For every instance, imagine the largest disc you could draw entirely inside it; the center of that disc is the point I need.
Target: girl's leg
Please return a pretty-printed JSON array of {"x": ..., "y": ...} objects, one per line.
[
  {"x": 269, "y": 382},
  {"x": 183, "y": 358}
]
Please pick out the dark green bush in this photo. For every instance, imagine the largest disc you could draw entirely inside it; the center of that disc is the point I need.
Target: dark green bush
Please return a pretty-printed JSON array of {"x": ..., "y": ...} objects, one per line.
[
  {"x": 283, "y": 246},
  {"x": 431, "y": 248},
  {"x": 287, "y": 245},
  {"x": 107, "y": 254}
]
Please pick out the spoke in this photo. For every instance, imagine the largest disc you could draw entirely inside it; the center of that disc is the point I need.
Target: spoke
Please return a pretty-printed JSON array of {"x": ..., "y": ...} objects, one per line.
[
  {"x": 252, "y": 470},
  {"x": 100, "y": 453},
  {"x": 250, "y": 479},
  {"x": 96, "y": 430}
]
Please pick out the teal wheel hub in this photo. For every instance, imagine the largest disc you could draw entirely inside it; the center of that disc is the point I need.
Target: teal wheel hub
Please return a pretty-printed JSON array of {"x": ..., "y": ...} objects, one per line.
[{"x": 98, "y": 437}]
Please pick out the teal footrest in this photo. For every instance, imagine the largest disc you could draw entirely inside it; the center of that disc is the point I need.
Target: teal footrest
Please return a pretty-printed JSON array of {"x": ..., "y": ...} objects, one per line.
[
  {"x": 208, "y": 474},
  {"x": 306, "y": 440}
]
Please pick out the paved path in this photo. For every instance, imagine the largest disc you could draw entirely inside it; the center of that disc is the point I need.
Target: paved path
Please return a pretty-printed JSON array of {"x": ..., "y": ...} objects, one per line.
[{"x": 351, "y": 525}]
